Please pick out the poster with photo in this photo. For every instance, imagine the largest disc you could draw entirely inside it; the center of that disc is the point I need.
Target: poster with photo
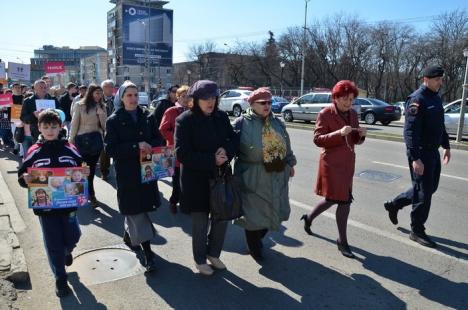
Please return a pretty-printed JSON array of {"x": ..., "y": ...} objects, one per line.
[
  {"x": 158, "y": 164},
  {"x": 56, "y": 188}
]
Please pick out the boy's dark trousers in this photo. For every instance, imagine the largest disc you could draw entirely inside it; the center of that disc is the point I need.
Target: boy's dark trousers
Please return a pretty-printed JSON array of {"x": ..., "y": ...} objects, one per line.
[{"x": 61, "y": 234}]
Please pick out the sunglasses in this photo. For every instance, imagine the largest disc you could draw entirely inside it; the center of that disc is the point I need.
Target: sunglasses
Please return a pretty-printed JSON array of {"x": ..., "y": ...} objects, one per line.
[{"x": 263, "y": 102}]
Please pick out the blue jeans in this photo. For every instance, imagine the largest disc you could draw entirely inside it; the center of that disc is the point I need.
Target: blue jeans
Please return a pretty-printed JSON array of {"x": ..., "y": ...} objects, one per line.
[
  {"x": 27, "y": 143},
  {"x": 61, "y": 233}
]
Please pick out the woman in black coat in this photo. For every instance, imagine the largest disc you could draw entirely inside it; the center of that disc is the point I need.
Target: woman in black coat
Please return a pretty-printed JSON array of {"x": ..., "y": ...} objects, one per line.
[
  {"x": 204, "y": 139},
  {"x": 127, "y": 134}
]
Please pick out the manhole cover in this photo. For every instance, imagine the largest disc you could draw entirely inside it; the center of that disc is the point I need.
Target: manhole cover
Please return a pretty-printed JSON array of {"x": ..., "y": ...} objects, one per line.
[
  {"x": 380, "y": 176},
  {"x": 105, "y": 265}
]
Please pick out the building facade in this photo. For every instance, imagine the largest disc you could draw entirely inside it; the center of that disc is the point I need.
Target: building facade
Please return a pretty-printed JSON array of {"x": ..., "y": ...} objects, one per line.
[
  {"x": 94, "y": 68},
  {"x": 139, "y": 44},
  {"x": 69, "y": 56}
]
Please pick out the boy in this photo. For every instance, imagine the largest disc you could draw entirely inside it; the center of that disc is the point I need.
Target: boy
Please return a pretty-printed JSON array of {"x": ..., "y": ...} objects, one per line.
[{"x": 60, "y": 227}]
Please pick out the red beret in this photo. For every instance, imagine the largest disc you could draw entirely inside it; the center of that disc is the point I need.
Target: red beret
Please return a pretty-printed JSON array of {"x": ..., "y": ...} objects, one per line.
[{"x": 261, "y": 93}]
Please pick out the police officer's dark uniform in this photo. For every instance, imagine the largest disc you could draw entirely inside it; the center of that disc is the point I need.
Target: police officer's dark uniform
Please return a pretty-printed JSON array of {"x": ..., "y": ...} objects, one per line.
[{"x": 424, "y": 133}]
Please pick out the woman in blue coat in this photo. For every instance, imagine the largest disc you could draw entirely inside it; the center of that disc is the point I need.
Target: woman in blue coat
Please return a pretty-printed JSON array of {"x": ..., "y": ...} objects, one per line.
[
  {"x": 204, "y": 140},
  {"x": 128, "y": 133}
]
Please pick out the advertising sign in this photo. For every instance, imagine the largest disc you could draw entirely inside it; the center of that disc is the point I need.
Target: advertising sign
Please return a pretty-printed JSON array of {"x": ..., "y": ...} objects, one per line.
[
  {"x": 6, "y": 100},
  {"x": 147, "y": 34},
  {"x": 54, "y": 67},
  {"x": 158, "y": 164},
  {"x": 18, "y": 71},
  {"x": 58, "y": 188}
]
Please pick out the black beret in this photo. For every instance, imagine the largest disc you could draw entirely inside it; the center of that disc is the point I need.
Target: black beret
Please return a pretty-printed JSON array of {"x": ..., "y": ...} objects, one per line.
[
  {"x": 433, "y": 71},
  {"x": 203, "y": 89}
]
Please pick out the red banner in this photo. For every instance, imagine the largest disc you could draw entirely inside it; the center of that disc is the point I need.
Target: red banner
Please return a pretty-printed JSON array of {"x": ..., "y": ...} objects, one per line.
[
  {"x": 6, "y": 100},
  {"x": 54, "y": 67}
]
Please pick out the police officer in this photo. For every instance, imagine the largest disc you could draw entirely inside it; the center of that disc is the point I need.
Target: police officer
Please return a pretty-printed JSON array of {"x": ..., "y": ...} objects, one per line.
[{"x": 424, "y": 133}]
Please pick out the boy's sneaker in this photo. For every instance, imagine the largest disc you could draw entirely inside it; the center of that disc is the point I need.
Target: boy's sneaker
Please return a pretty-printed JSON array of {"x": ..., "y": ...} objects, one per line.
[
  {"x": 205, "y": 269},
  {"x": 61, "y": 288},
  {"x": 216, "y": 262},
  {"x": 68, "y": 259}
]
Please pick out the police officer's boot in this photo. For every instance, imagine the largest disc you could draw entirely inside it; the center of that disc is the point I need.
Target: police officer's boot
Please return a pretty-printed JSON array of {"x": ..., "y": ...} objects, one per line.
[
  {"x": 422, "y": 238},
  {"x": 392, "y": 212}
]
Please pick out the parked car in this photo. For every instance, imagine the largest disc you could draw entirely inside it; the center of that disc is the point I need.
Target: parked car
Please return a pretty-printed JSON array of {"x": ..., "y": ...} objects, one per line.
[
  {"x": 143, "y": 99},
  {"x": 278, "y": 103},
  {"x": 234, "y": 101},
  {"x": 401, "y": 105},
  {"x": 452, "y": 117},
  {"x": 375, "y": 110},
  {"x": 308, "y": 106}
]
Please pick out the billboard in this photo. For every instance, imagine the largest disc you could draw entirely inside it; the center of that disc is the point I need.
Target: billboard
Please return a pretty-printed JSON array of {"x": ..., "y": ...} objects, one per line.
[
  {"x": 54, "y": 67},
  {"x": 147, "y": 33}
]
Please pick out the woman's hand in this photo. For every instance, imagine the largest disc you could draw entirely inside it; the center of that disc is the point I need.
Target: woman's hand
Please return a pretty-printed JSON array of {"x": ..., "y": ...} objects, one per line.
[
  {"x": 27, "y": 178},
  {"x": 292, "y": 172},
  {"x": 362, "y": 131},
  {"x": 144, "y": 146},
  {"x": 346, "y": 130}
]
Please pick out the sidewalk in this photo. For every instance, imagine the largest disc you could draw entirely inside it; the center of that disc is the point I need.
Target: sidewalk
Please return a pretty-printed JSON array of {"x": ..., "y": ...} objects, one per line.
[{"x": 13, "y": 268}]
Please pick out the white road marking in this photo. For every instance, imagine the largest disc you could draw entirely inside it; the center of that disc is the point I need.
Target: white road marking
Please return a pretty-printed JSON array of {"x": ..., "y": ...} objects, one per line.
[
  {"x": 381, "y": 232},
  {"x": 406, "y": 167}
]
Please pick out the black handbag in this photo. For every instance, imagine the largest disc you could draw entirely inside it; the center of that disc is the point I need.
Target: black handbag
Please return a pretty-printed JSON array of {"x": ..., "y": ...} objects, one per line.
[
  {"x": 89, "y": 143},
  {"x": 19, "y": 134},
  {"x": 225, "y": 195}
]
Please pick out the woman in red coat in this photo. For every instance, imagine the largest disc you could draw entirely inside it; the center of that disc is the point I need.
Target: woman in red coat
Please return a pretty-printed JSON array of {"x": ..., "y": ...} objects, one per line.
[{"x": 337, "y": 131}]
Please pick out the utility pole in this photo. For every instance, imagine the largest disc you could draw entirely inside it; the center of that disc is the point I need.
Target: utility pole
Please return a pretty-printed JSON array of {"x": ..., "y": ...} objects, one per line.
[
  {"x": 461, "y": 121},
  {"x": 303, "y": 48}
]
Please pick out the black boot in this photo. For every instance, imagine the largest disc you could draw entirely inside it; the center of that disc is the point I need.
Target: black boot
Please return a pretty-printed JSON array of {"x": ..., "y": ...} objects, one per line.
[
  {"x": 61, "y": 288},
  {"x": 422, "y": 239},
  {"x": 344, "y": 249},
  {"x": 150, "y": 257},
  {"x": 307, "y": 224},
  {"x": 392, "y": 212},
  {"x": 135, "y": 249}
]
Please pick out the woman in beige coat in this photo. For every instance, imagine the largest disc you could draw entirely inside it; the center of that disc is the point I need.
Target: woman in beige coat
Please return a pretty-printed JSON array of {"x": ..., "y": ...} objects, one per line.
[{"x": 89, "y": 115}]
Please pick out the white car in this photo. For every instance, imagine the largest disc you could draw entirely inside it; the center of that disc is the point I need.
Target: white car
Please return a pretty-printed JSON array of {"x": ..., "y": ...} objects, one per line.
[
  {"x": 452, "y": 116},
  {"x": 234, "y": 101},
  {"x": 307, "y": 107}
]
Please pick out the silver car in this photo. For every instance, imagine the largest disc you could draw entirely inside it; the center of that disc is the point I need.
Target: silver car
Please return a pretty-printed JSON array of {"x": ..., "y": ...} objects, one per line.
[
  {"x": 452, "y": 117},
  {"x": 307, "y": 107}
]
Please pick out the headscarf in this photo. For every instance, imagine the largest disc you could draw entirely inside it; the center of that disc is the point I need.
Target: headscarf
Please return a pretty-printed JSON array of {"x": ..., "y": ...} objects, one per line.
[{"x": 119, "y": 94}]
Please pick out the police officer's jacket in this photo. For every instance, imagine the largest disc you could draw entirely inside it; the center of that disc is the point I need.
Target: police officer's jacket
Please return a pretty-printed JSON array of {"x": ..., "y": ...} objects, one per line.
[{"x": 424, "y": 123}]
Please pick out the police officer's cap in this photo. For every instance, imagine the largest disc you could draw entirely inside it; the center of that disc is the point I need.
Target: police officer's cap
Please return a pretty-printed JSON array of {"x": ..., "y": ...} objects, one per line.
[{"x": 433, "y": 71}]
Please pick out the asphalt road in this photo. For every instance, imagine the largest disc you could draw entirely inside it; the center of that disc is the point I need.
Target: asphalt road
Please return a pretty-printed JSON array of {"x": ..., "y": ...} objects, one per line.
[{"x": 300, "y": 272}]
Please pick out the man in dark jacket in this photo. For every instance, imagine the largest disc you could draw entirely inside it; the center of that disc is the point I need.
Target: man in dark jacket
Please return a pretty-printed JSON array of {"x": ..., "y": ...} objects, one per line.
[
  {"x": 107, "y": 89},
  {"x": 29, "y": 112},
  {"x": 157, "y": 115},
  {"x": 65, "y": 102}
]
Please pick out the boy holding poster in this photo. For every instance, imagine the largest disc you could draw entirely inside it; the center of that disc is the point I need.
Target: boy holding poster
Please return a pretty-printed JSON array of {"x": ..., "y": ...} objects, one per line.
[{"x": 60, "y": 227}]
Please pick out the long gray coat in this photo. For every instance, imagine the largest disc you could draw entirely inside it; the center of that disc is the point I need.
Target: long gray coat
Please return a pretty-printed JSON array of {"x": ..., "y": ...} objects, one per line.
[{"x": 265, "y": 195}]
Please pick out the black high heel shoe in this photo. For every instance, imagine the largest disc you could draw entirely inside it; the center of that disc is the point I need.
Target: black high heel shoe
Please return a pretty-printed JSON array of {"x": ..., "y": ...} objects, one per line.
[
  {"x": 307, "y": 224},
  {"x": 345, "y": 249}
]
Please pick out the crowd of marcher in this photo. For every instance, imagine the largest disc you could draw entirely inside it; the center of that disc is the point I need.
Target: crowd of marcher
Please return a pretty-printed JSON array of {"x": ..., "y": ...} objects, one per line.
[{"x": 97, "y": 126}]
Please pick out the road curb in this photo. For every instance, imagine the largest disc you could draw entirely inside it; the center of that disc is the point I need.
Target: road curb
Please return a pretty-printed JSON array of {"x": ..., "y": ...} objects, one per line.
[
  {"x": 13, "y": 265},
  {"x": 388, "y": 137}
]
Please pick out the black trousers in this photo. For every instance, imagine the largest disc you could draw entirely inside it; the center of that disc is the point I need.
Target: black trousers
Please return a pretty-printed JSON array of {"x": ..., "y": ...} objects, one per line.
[
  {"x": 254, "y": 239},
  {"x": 91, "y": 161},
  {"x": 104, "y": 163},
  {"x": 424, "y": 186},
  {"x": 175, "y": 196}
]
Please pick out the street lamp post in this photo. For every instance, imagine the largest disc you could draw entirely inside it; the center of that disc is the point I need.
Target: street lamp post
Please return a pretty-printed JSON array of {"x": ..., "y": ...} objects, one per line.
[
  {"x": 188, "y": 76},
  {"x": 461, "y": 121},
  {"x": 282, "y": 64},
  {"x": 303, "y": 48}
]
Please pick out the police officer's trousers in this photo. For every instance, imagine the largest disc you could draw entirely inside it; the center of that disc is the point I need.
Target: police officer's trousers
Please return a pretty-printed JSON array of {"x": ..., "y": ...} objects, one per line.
[
  {"x": 420, "y": 194},
  {"x": 61, "y": 233}
]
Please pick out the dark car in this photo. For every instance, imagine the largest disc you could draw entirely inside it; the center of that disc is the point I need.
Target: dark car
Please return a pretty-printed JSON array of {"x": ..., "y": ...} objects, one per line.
[
  {"x": 375, "y": 110},
  {"x": 278, "y": 103}
]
